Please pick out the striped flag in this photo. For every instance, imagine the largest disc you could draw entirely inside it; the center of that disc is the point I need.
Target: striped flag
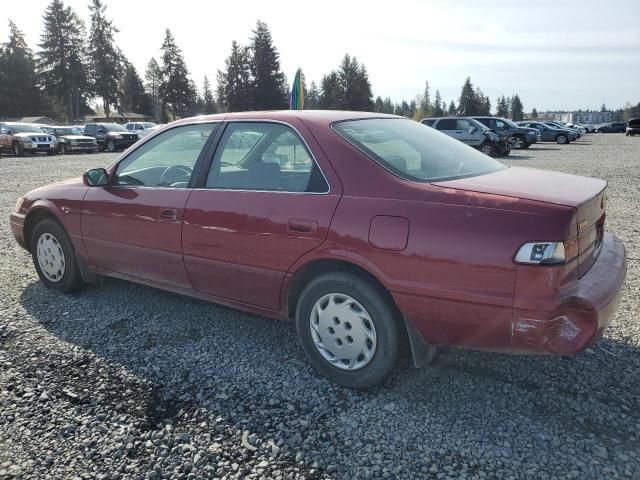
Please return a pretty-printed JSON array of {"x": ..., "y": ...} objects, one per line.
[{"x": 296, "y": 100}]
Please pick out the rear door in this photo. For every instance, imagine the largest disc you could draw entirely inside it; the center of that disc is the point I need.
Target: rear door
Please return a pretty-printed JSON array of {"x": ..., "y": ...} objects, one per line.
[
  {"x": 264, "y": 203},
  {"x": 449, "y": 126},
  {"x": 133, "y": 226}
]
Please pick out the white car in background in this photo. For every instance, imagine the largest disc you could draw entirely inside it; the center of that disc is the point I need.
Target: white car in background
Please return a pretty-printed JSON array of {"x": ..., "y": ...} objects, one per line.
[{"x": 141, "y": 128}]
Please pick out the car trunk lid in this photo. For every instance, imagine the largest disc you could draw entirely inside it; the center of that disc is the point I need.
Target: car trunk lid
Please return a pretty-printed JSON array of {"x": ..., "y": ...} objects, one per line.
[{"x": 586, "y": 195}]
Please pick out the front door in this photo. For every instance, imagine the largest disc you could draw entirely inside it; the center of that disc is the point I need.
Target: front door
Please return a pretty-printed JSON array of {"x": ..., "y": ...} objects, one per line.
[
  {"x": 133, "y": 226},
  {"x": 265, "y": 203}
]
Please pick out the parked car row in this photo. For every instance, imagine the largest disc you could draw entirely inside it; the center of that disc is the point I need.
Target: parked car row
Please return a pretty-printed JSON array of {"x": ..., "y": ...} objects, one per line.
[
  {"x": 473, "y": 133},
  {"x": 22, "y": 138}
]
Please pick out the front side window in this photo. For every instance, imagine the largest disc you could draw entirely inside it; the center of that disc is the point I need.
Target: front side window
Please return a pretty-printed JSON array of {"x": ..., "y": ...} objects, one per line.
[
  {"x": 464, "y": 124},
  {"x": 264, "y": 156},
  {"x": 415, "y": 152},
  {"x": 167, "y": 160}
]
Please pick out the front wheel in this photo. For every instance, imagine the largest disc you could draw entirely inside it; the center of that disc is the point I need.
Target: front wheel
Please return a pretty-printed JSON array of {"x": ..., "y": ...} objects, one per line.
[
  {"x": 488, "y": 148},
  {"x": 562, "y": 139},
  {"x": 18, "y": 149},
  {"x": 348, "y": 330},
  {"x": 65, "y": 149},
  {"x": 54, "y": 257},
  {"x": 519, "y": 143},
  {"x": 111, "y": 146}
]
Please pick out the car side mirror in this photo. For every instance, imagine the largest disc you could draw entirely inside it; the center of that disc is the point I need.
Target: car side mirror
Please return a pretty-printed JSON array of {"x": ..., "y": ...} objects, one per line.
[
  {"x": 96, "y": 177},
  {"x": 473, "y": 130}
]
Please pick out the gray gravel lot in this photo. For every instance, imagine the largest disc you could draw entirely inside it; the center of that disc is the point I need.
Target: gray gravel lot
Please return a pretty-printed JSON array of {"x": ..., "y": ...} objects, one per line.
[{"x": 124, "y": 381}]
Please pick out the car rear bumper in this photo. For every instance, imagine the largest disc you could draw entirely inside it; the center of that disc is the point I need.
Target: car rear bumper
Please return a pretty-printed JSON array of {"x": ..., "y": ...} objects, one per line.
[
  {"x": 16, "y": 222},
  {"x": 579, "y": 314}
]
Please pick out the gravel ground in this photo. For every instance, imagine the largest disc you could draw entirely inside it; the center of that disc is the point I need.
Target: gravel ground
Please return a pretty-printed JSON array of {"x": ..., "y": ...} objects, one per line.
[{"x": 124, "y": 381}]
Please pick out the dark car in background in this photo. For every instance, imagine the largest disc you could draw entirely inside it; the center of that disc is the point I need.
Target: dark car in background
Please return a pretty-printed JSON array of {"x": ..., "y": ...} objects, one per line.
[
  {"x": 521, "y": 137},
  {"x": 551, "y": 134},
  {"x": 473, "y": 133},
  {"x": 110, "y": 136},
  {"x": 71, "y": 139},
  {"x": 633, "y": 127},
  {"x": 562, "y": 126},
  {"x": 615, "y": 127}
]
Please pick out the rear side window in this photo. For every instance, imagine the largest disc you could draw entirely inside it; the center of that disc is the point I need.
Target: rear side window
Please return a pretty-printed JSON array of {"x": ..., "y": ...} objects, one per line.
[
  {"x": 428, "y": 123},
  {"x": 446, "y": 124},
  {"x": 264, "y": 156},
  {"x": 414, "y": 151}
]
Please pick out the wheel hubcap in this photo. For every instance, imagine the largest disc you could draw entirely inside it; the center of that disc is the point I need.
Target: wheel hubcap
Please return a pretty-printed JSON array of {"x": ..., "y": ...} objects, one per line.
[
  {"x": 50, "y": 257},
  {"x": 486, "y": 149},
  {"x": 342, "y": 331},
  {"x": 518, "y": 143}
]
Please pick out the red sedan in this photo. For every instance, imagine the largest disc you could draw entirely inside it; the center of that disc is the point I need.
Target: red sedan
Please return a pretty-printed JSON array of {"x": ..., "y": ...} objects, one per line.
[{"x": 376, "y": 234}]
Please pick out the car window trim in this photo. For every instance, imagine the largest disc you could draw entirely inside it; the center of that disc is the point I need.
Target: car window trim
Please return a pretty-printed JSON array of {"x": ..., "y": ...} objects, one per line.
[
  {"x": 201, "y": 183},
  {"x": 197, "y": 165}
]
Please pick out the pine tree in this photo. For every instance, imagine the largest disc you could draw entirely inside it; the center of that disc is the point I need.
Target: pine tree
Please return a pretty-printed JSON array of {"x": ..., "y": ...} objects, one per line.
[
  {"x": 61, "y": 62},
  {"x": 452, "y": 108},
  {"x": 517, "y": 110},
  {"x": 234, "y": 82},
  {"x": 153, "y": 77},
  {"x": 312, "y": 97},
  {"x": 269, "y": 89},
  {"x": 177, "y": 91},
  {"x": 468, "y": 102},
  {"x": 133, "y": 96},
  {"x": 105, "y": 58},
  {"x": 438, "y": 111},
  {"x": 425, "y": 103},
  {"x": 388, "y": 106},
  {"x": 502, "y": 108},
  {"x": 19, "y": 95},
  {"x": 331, "y": 97},
  {"x": 347, "y": 88},
  {"x": 208, "y": 102},
  {"x": 534, "y": 113}
]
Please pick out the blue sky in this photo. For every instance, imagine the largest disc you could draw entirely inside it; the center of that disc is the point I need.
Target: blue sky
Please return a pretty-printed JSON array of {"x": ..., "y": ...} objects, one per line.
[{"x": 554, "y": 54}]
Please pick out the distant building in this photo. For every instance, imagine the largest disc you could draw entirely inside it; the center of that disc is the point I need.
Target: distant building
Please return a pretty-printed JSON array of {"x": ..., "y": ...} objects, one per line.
[
  {"x": 118, "y": 117},
  {"x": 583, "y": 117},
  {"x": 41, "y": 120}
]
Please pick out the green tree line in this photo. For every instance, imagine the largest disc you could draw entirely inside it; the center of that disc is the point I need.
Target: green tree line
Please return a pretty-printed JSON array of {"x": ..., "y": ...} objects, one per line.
[{"x": 75, "y": 65}]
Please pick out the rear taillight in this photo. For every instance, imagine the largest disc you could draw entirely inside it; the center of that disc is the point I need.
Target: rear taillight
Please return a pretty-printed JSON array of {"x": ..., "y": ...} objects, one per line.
[{"x": 541, "y": 253}]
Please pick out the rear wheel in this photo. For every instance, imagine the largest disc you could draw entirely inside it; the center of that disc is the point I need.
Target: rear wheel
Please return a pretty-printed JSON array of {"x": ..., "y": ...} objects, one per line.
[
  {"x": 54, "y": 257},
  {"x": 562, "y": 139},
  {"x": 348, "y": 330}
]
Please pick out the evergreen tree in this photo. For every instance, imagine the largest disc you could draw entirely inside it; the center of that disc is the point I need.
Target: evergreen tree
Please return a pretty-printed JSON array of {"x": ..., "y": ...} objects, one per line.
[
  {"x": 19, "y": 95},
  {"x": 208, "y": 102},
  {"x": 413, "y": 109},
  {"x": 517, "y": 110},
  {"x": 234, "y": 82},
  {"x": 452, "y": 108},
  {"x": 603, "y": 108},
  {"x": 312, "y": 97},
  {"x": 177, "y": 91},
  {"x": 348, "y": 88},
  {"x": 425, "y": 103},
  {"x": 153, "y": 77},
  {"x": 61, "y": 62},
  {"x": 438, "y": 110},
  {"x": 105, "y": 58},
  {"x": 269, "y": 91},
  {"x": 468, "y": 102},
  {"x": 502, "y": 108},
  {"x": 378, "y": 105},
  {"x": 534, "y": 113},
  {"x": 133, "y": 96},
  {"x": 331, "y": 97}
]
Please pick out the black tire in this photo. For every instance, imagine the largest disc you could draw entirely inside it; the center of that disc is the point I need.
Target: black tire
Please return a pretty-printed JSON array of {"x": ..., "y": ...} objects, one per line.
[
  {"x": 383, "y": 315},
  {"x": 18, "y": 149},
  {"x": 52, "y": 152},
  {"x": 562, "y": 139},
  {"x": 519, "y": 142},
  {"x": 71, "y": 279},
  {"x": 111, "y": 146},
  {"x": 65, "y": 149},
  {"x": 488, "y": 148}
]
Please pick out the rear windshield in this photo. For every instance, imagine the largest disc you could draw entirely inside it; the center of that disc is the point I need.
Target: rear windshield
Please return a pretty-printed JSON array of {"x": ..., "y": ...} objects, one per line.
[{"x": 414, "y": 151}]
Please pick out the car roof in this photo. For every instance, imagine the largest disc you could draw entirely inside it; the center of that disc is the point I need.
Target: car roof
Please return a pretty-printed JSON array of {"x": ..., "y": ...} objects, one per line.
[{"x": 318, "y": 117}]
